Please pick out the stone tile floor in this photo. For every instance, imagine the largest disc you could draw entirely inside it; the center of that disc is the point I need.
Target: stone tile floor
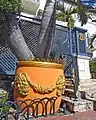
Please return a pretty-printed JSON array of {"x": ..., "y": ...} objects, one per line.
[{"x": 89, "y": 115}]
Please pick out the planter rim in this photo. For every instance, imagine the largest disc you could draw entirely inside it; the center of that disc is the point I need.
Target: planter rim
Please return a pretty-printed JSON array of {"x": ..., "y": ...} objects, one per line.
[{"x": 40, "y": 64}]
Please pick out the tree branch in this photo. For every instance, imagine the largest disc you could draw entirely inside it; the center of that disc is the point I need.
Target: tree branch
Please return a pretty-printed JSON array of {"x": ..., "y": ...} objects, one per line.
[
  {"x": 91, "y": 40},
  {"x": 75, "y": 4}
]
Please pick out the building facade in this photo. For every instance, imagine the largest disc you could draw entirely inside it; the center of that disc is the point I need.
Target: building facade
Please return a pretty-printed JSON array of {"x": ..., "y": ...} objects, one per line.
[{"x": 30, "y": 6}]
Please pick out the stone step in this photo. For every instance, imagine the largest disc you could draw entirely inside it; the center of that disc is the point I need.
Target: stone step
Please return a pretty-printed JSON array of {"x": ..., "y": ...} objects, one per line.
[
  {"x": 80, "y": 105},
  {"x": 70, "y": 79},
  {"x": 87, "y": 87},
  {"x": 69, "y": 90},
  {"x": 87, "y": 81},
  {"x": 88, "y": 94},
  {"x": 70, "y": 86},
  {"x": 68, "y": 93},
  {"x": 65, "y": 98},
  {"x": 69, "y": 83}
]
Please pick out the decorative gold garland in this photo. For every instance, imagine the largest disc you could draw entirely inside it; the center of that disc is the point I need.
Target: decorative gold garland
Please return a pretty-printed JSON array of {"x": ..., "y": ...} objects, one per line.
[{"x": 22, "y": 83}]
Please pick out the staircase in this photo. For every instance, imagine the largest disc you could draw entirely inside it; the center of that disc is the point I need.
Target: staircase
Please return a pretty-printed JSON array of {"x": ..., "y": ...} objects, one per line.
[
  {"x": 79, "y": 105},
  {"x": 68, "y": 96},
  {"x": 89, "y": 87},
  {"x": 69, "y": 90}
]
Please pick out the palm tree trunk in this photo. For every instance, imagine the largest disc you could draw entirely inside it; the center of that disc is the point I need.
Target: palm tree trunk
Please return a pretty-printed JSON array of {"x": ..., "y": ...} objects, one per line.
[
  {"x": 46, "y": 33},
  {"x": 12, "y": 34},
  {"x": 51, "y": 35}
]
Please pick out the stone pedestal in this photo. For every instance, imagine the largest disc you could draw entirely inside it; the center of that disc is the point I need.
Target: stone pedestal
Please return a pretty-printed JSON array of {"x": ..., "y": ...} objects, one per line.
[
  {"x": 80, "y": 105},
  {"x": 87, "y": 86},
  {"x": 83, "y": 105}
]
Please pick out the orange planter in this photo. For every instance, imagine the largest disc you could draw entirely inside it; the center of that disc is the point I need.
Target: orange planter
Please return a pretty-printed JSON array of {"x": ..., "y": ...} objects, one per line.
[{"x": 39, "y": 80}]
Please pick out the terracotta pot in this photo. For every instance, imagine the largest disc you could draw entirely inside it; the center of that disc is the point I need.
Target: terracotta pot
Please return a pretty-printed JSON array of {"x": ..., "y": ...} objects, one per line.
[
  {"x": 45, "y": 75},
  {"x": 93, "y": 75}
]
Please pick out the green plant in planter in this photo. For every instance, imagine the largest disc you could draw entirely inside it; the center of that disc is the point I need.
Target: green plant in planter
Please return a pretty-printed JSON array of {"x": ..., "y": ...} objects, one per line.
[
  {"x": 93, "y": 66},
  {"x": 3, "y": 99}
]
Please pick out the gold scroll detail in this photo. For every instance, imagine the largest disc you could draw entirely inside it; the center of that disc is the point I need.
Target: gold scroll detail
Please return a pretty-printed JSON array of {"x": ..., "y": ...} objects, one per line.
[{"x": 23, "y": 83}]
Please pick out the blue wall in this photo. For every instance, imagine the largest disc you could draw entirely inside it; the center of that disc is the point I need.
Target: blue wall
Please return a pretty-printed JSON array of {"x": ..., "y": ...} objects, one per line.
[
  {"x": 70, "y": 41},
  {"x": 91, "y": 3}
]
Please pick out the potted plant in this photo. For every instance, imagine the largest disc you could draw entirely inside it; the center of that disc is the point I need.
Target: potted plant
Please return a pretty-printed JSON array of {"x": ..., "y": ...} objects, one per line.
[
  {"x": 40, "y": 76},
  {"x": 93, "y": 68},
  {"x": 3, "y": 99}
]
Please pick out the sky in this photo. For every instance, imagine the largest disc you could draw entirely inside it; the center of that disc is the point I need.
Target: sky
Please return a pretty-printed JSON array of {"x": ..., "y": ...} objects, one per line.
[{"x": 42, "y": 4}]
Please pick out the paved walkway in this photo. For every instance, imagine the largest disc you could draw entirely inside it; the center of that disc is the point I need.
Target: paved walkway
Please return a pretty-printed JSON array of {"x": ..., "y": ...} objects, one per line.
[{"x": 90, "y": 115}]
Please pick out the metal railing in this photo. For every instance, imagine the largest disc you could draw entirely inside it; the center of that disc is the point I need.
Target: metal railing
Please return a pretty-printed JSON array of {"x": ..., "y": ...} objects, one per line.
[{"x": 30, "y": 109}]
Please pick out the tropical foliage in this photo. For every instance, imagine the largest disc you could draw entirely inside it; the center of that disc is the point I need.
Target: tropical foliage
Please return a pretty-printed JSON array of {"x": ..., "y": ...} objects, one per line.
[
  {"x": 3, "y": 100},
  {"x": 86, "y": 13},
  {"x": 65, "y": 14},
  {"x": 10, "y": 5},
  {"x": 93, "y": 66}
]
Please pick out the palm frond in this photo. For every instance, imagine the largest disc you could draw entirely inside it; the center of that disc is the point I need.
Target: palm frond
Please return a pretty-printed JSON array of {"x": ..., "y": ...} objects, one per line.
[
  {"x": 73, "y": 11},
  {"x": 82, "y": 13}
]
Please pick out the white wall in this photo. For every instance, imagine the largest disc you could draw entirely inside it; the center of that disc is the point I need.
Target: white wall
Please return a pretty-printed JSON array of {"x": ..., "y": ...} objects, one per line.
[
  {"x": 30, "y": 6},
  {"x": 83, "y": 67},
  {"x": 42, "y": 4},
  {"x": 91, "y": 27}
]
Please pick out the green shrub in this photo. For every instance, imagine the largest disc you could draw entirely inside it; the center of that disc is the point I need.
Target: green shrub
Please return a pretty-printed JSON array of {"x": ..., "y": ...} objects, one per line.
[
  {"x": 3, "y": 100},
  {"x": 93, "y": 66},
  {"x": 10, "y": 5}
]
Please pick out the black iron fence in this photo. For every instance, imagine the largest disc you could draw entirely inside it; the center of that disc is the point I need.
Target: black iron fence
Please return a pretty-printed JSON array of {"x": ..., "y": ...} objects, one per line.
[{"x": 30, "y": 109}]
